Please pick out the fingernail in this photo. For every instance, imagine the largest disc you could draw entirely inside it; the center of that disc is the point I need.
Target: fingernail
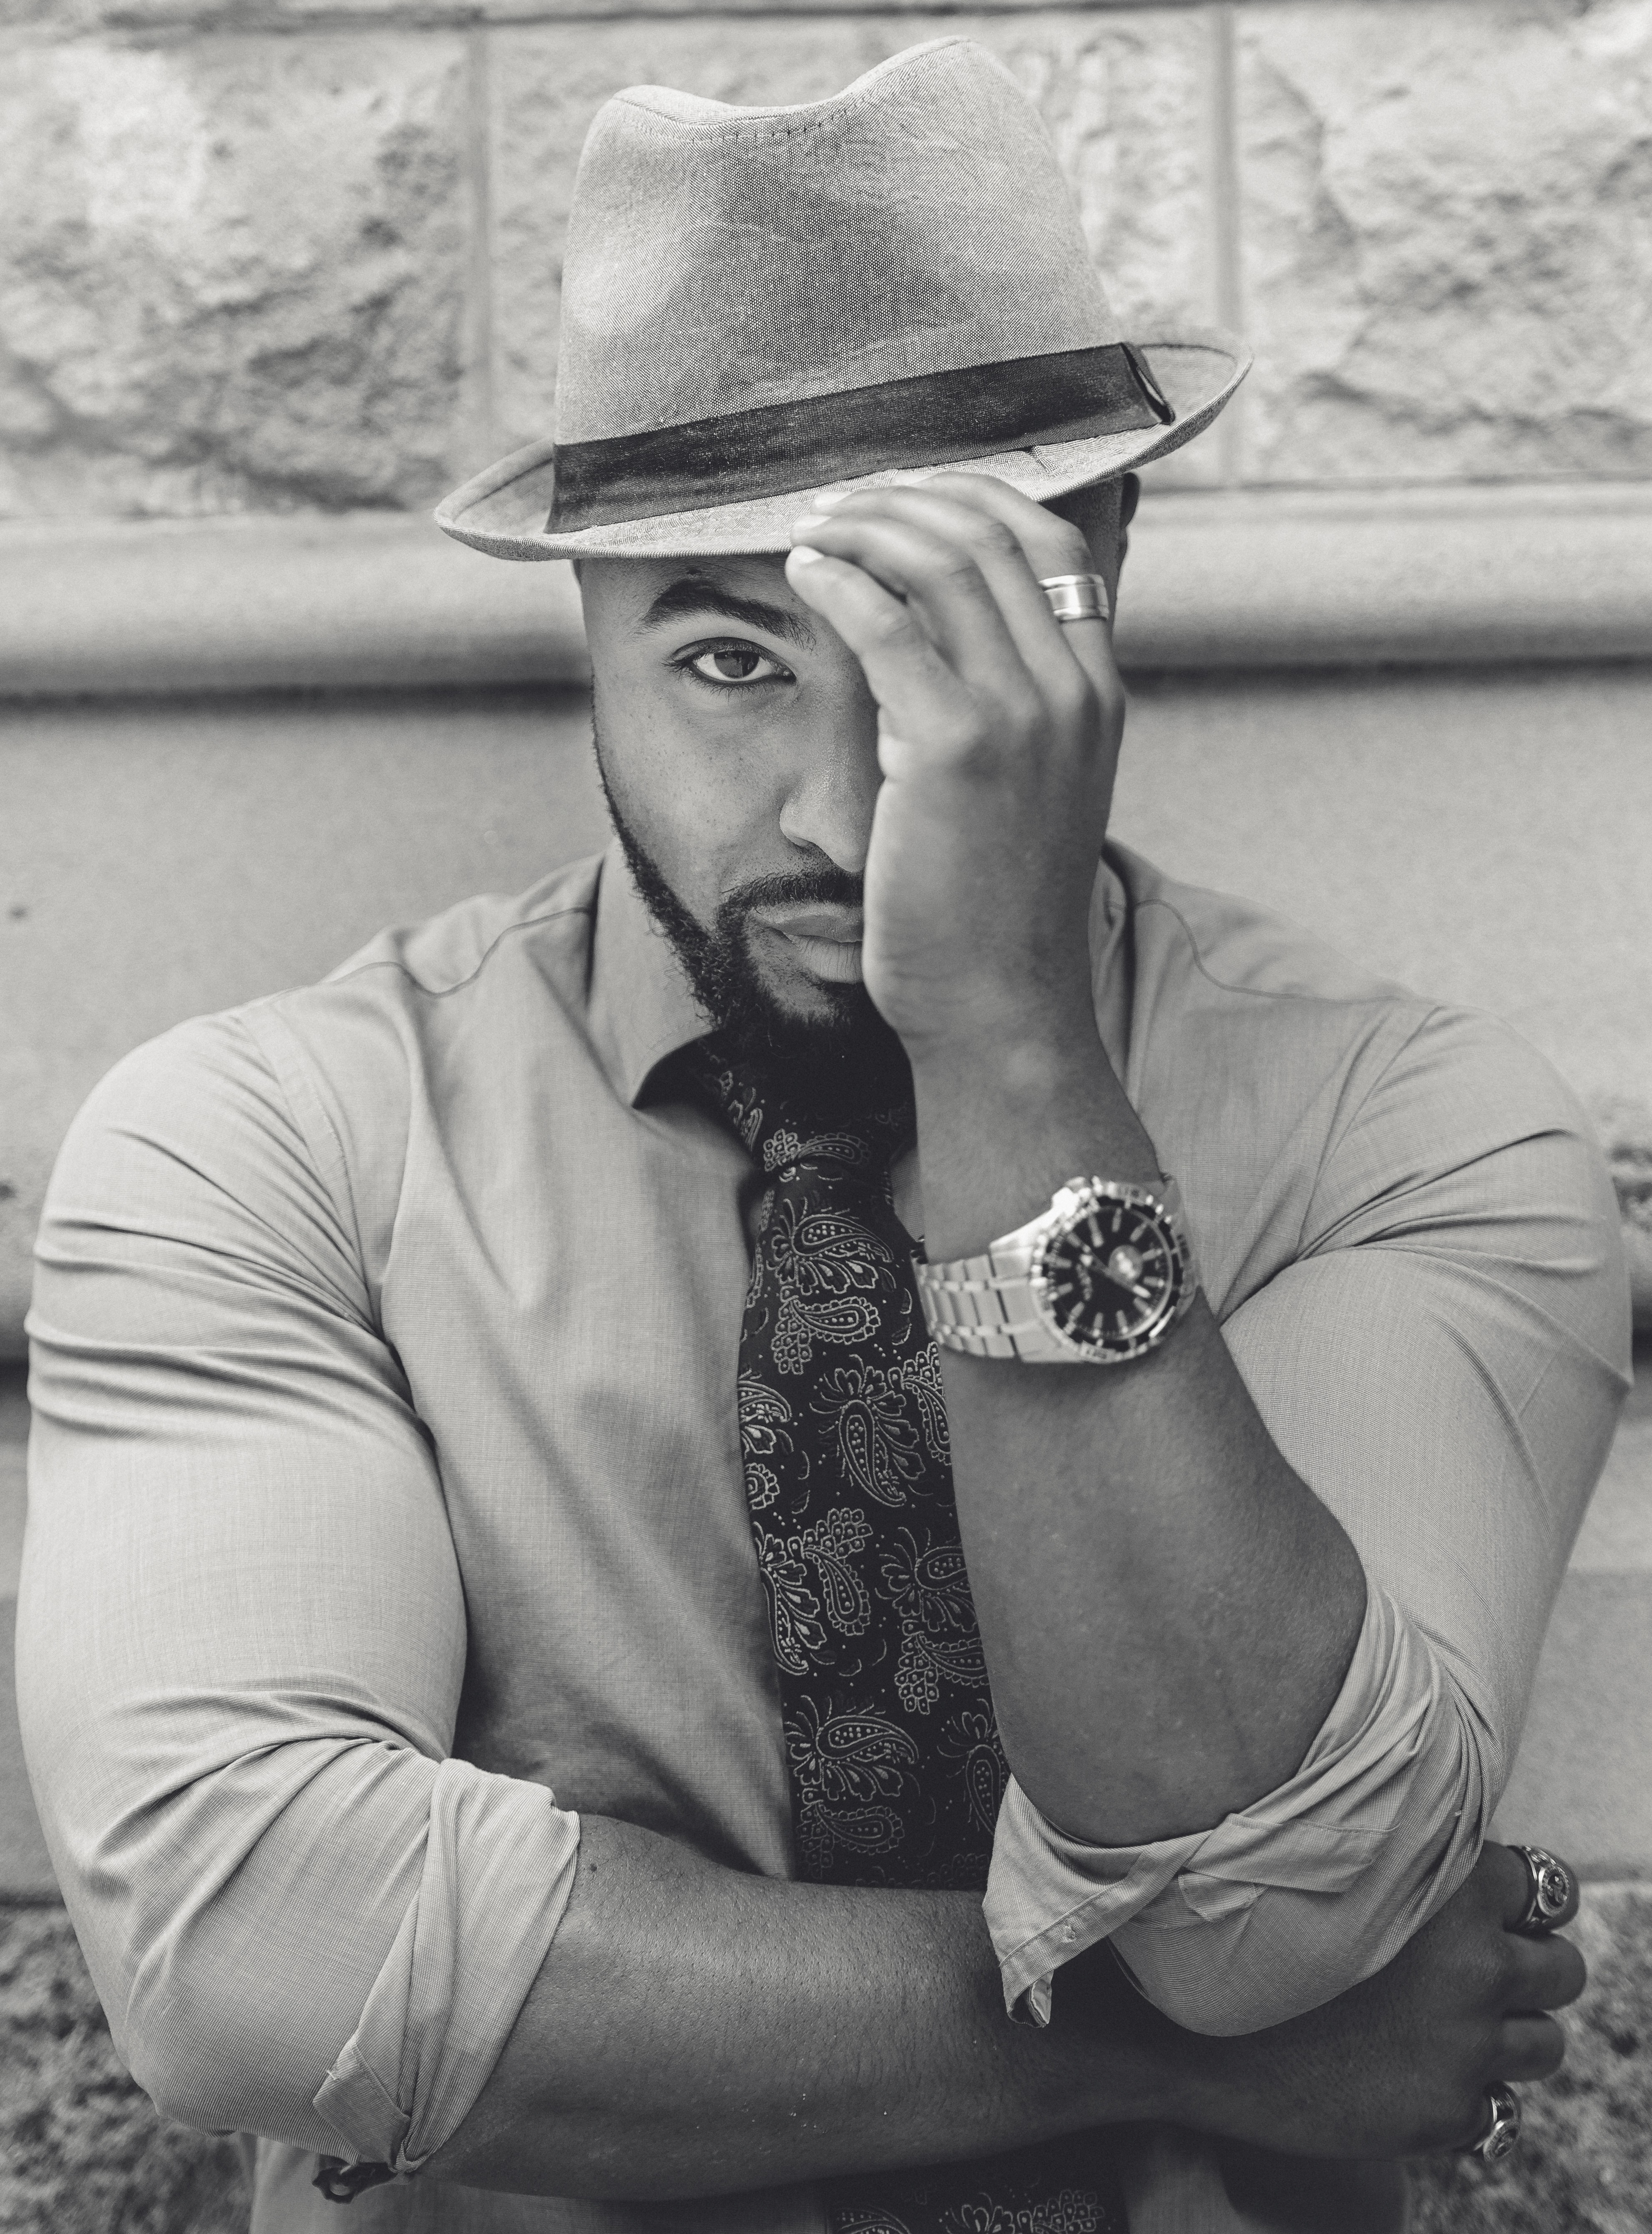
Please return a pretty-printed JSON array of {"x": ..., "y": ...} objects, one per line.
[
  {"x": 800, "y": 554},
  {"x": 805, "y": 520},
  {"x": 830, "y": 498}
]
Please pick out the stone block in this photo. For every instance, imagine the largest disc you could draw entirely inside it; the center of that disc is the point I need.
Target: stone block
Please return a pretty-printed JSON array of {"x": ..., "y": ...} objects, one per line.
[
  {"x": 1446, "y": 221},
  {"x": 232, "y": 274},
  {"x": 1125, "y": 93}
]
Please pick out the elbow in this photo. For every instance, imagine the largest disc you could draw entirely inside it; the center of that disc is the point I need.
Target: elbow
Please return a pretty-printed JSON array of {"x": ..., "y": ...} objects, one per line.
[
  {"x": 194, "y": 2061},
  {"x": 1321, "y": 1903},
  {"x": 212, "y": 2053}
]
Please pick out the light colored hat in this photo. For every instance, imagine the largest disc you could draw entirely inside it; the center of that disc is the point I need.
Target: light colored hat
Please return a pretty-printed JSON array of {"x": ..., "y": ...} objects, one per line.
[{"x": 758, "y": 304}]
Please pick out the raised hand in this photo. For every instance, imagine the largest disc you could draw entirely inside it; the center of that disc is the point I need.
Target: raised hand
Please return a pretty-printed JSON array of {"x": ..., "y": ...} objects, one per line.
[{"x": 999, "y": 732}]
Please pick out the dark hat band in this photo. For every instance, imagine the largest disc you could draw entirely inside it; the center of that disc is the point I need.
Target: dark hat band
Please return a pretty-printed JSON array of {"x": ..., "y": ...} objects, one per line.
[{"x": 937, "y": 418}]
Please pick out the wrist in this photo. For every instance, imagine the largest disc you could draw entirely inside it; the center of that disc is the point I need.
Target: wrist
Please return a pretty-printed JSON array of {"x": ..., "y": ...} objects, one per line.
[{"x": 1002, "y": 1125}]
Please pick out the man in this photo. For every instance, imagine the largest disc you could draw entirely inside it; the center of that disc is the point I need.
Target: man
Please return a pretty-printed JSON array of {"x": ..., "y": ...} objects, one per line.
[{"x": 532, "y": 1655}]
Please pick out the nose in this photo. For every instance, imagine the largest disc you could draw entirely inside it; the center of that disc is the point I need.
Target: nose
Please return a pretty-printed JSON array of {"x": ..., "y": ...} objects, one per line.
[{"x": 834, "y": 780}]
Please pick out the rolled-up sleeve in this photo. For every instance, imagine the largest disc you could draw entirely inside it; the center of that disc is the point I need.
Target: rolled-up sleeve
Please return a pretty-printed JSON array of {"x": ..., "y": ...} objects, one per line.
[
  {"x": 1442, "y": 1362},
  {"x": 241, "y": 1637}
]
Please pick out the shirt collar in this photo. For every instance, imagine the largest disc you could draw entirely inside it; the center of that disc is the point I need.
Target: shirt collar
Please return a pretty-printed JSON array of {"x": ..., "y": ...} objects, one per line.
[
  {"x": 643, "y": 1009},
  {"x": 642, "y": 1006}
]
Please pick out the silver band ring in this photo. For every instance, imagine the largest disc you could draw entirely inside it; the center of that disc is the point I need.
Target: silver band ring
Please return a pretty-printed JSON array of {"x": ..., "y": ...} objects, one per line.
[
  {"x": 1502, "y": 2132},
  {"x": 1550, "y": 1892},
  {"x": 1076, "y": 597}
]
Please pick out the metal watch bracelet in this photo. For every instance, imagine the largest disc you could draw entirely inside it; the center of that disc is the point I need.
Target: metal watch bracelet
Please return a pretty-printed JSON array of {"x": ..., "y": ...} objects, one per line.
[{"x": 985, "y": 1306}]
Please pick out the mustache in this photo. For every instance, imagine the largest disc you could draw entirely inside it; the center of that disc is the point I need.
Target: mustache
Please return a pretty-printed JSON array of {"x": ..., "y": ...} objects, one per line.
[{"x": 825, "y": 887}]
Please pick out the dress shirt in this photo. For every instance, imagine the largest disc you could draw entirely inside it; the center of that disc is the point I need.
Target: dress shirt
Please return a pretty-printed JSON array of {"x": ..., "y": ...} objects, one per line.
[{"x": 387, "y": 1510}]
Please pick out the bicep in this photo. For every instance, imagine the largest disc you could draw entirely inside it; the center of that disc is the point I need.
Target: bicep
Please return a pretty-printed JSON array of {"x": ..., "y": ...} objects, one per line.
[
  {"x": 1447, "y": 1383},
  {"x": 241, "y": 1624}
]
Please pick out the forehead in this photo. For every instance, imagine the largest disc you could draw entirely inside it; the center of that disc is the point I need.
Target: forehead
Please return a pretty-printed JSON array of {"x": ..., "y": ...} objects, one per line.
[{"x": 644, "y": 593}]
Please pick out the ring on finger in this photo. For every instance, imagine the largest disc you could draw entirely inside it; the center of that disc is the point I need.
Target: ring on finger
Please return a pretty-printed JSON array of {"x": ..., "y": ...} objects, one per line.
[
  {"x": 1549, "y": 1893},
  {"x": 1076, "y": 597},
  {"x": 1502, "y": 2132}
]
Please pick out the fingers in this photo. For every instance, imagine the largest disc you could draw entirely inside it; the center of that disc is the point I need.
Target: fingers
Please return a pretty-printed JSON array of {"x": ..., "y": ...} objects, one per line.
[
  {"x": 1013, "y": 543},
  {"x": 934, "y": 558},
  {"x": 959, "y": 539},
  {"x": 1545, "y": 1874},
  {"x": 1051, "y": 545},
  {"x": 914, "y": 685},
  {"x": 1528, "y": 2048},
  {"x": 1542, "y": 1974},
  {"x": 1048, "y": 545}
]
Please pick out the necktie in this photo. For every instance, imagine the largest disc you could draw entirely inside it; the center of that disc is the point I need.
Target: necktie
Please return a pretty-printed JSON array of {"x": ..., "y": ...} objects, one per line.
[{"x": 891, "y": 1744}]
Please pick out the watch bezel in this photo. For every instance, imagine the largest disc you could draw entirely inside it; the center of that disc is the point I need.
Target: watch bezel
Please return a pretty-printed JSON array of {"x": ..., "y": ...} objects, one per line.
[{"x": 1070, "y": 1203}]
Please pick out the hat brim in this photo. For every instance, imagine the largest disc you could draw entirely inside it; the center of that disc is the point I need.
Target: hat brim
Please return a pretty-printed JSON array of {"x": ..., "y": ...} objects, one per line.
[{"x": 503, "y": 511}]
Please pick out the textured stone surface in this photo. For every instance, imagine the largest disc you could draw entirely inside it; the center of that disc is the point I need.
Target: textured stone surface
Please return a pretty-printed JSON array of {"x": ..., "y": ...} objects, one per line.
[
  {"x": 60, "y": 17},
  {"x": 1126, "y": 95},
  {"x": 232, "y": 274},
  {"x": 1446, "y": 216},
  {"x": 81, "y": 2151}
]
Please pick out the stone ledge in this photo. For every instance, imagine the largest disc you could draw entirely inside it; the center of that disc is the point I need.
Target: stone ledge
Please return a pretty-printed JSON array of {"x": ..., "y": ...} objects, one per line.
[
  {"x": 1229, "y": 580},
  {"x": 80, "y": 17}
]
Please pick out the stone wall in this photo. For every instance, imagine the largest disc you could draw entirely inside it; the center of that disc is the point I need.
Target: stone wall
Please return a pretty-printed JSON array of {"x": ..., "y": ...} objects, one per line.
[
  {"x": 300, "y": 258},
  {"x": 282, "y": 254}
]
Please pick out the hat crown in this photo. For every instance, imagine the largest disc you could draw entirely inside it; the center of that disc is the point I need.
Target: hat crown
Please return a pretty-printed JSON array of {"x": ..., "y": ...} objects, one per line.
[{"x": 720, "y": 260}]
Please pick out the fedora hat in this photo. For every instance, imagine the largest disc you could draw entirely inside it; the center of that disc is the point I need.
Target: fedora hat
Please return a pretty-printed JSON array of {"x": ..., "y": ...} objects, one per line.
[{"x": 760, "y": 304}]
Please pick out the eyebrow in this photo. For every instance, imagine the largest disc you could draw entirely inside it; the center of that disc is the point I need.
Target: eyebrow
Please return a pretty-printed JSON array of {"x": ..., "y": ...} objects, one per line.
[{"x": 691, "y": 596}]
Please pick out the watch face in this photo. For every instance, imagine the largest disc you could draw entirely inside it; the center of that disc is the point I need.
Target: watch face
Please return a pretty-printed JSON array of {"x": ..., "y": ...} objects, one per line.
[{"x": 1111, "y": 1274}]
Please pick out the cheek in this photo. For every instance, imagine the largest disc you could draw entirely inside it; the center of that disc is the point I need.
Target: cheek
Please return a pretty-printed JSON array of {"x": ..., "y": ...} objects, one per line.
[{"x": 700, "y": 794}]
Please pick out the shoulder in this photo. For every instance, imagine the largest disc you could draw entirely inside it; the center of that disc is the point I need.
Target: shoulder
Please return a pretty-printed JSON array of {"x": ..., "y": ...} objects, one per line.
[
  {"x": 1195, "y": 946},
  {"x": 1314, "y": 1104},
  {"x": 297, "y": 1107},
  {"x": 1213, "y": 973},
  {"x": 544, "y": 929}
]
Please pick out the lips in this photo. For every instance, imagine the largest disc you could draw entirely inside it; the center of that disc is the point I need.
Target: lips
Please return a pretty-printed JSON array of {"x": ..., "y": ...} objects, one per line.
[{"x": 837, "y": 926}]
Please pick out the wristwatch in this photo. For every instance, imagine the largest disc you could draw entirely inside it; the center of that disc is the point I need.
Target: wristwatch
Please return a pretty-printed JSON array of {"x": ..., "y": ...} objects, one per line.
[{"x": 1098, "y": 1278}]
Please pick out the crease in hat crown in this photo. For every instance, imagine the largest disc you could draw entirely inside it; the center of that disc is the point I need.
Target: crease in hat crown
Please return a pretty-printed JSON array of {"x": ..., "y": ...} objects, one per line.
[{"x": 776, "y": 283}]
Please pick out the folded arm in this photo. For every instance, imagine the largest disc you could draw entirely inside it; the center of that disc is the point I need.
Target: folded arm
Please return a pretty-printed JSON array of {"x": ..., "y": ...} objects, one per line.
[
  {"x": 1442, "y": 1366},
  {"x": 241, "y": 1644},
  {"x": 1171, "y": 1561}
]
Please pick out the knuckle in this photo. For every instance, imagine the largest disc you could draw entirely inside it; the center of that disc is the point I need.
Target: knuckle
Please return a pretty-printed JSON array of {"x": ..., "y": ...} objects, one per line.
[
  {"x": 977, "y": 751},
  {"x": 1505, "y": 1968},
  {"x": 1069, "y": 551},
  {"x": 1076, "y": 697},
  {"x": 1447, "y": 2116},
  {"x": 890, "y": 627},
  {"x": 958, "y": 570},
  {"x": 999, "y": 540}
]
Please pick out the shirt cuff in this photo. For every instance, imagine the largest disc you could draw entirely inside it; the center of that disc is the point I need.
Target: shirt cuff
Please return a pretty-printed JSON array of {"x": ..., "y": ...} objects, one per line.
[
  {"x": 499, "y": 1867},
  {"x": 1286, "y": 1903}
]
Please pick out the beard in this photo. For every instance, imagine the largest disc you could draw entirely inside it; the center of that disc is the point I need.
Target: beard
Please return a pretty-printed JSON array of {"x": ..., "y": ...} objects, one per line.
[{"x": 832, "y": 1066}]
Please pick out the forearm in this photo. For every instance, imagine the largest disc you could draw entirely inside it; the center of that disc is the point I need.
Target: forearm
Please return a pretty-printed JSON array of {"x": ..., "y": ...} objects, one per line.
[
  {"x": 1132, "y": 1534},
  {"x": 697, "y": 2031}
]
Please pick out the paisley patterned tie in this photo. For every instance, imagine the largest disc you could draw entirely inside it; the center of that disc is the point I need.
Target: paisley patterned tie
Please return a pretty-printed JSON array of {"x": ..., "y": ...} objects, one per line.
[{"x": 891, "y": 1739}]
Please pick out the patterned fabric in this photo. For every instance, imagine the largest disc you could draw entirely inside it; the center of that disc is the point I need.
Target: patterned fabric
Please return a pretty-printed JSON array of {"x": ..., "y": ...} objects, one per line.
[{"x": 896, "y": 1771}]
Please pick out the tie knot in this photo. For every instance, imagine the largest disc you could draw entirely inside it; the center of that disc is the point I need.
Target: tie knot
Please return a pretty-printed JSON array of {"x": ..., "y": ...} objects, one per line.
[{"x": 777, "y": 1133}]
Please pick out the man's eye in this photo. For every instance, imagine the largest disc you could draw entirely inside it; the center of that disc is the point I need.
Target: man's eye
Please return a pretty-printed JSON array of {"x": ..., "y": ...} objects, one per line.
[{"x": 733, "y": 664}]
